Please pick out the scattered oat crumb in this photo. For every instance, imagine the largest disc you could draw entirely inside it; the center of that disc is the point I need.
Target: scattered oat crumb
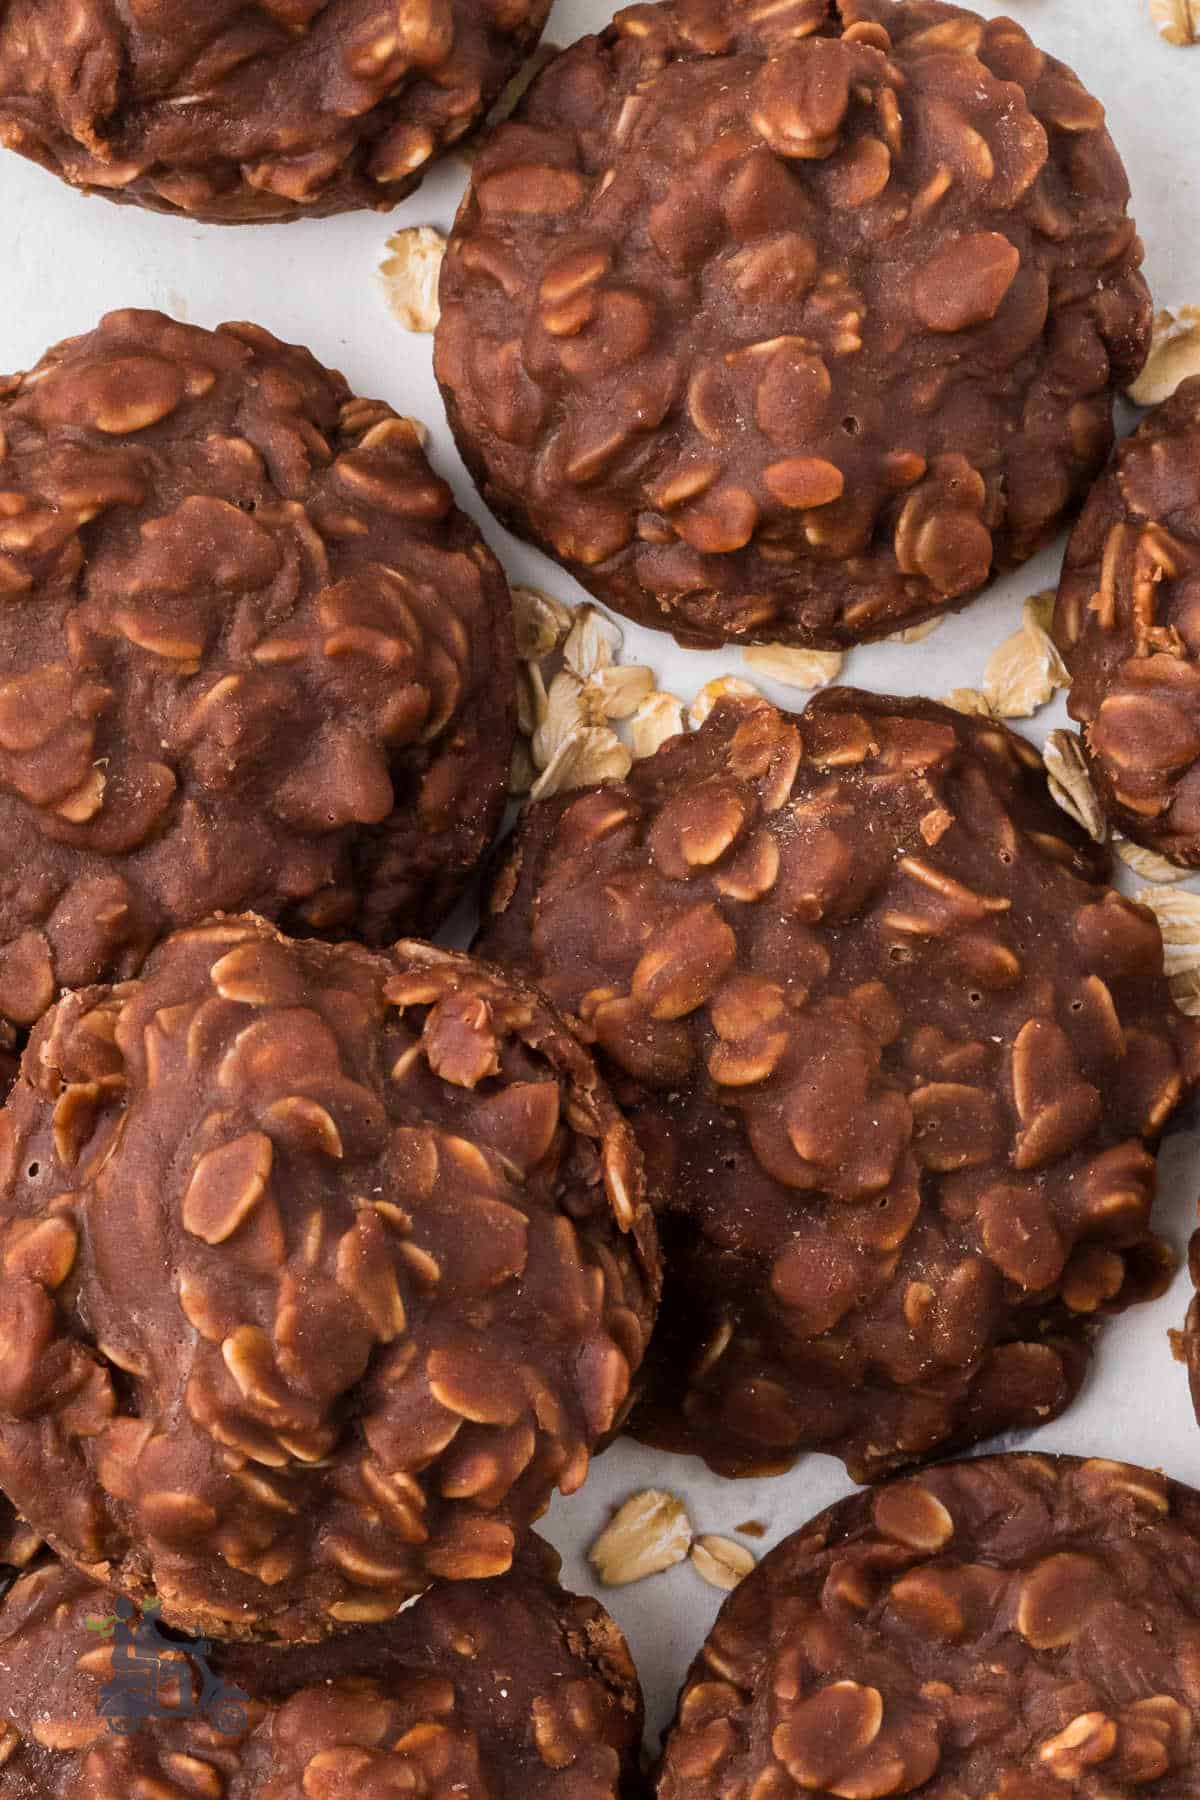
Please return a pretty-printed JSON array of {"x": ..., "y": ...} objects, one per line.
[
  {"x": 650, "y": 1533},
  {"x": 1178, "y": 1345},
  {"x": 1174, "y": 355},
  {"x": 1149, "y": 864},
  {"x": 540, "y": 621},
  {"x": 752, "y": 1528},
  {"x": 968, "y": 700},
  {"x": 1178, "y": 20},
  {"x": 659, "y": 717},
  {"x": 793, "y": 667},
  {"x": 725, "y": 686},
  {"x": 1025, "y": 671},
  {"x": 1070, "y": 784},
  {"x": 721, "y": 1562},
  {"x": 912, "y": 634},
  {"x": 410, "y": 275},
  {"x": 1178, "y": 914}
]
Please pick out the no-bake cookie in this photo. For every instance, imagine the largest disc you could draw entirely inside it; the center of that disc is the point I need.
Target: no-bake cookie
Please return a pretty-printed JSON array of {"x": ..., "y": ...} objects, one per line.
[
  {"x": 507, "y": 1689},
  {"x": 251, "y": 655},
  {"x": 1015, "y": 1628},
  {"x": 1128, "y": 623},
  {"x": 897, "y": 1058},
  {"x": 791, "y": 322},
  {"x": 236, "y": 112},
  {"x": 319, "y": 1271}
]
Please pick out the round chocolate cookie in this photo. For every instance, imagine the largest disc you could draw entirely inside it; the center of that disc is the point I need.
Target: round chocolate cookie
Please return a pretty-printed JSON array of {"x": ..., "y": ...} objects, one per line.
[
  {"x": 319, "y": 1271},
  {"x": 1128, "y": 624},
  {"x": 508, "y": 1689},
  {"x": 238, "y": 113},
  {"x": 1014, "y": 1628},
  {"x": 897, "y": 1059},
  {"x": 790, "y": 323},
  {"x": 251, "y": 655}
]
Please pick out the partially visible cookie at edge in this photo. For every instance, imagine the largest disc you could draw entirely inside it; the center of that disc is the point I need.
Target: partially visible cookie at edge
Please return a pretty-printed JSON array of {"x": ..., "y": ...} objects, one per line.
[
  {"x": 1128, "y": 624},
  {"x": 508, "y": 1689},
  {"x": 238, "y": 114},
  {"x": 1021, "y": 1627}
]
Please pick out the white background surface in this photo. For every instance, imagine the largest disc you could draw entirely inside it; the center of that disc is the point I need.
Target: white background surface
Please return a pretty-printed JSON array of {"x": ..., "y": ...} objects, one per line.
[{"x": 64, "y": 260}]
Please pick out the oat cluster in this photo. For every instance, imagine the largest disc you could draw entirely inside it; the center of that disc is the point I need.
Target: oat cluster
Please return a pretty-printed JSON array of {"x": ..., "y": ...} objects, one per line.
[
  {"x": 322, "y": 1270},
  {"x": 790, "y": 322},
  {"x": 240, "y": 113},
  {"x": 251, "y": 655},
  {"x": 903, "y": 1154},
  {"x": 508, "y": 1688},
  {"x": 1024, "y": 1627}
]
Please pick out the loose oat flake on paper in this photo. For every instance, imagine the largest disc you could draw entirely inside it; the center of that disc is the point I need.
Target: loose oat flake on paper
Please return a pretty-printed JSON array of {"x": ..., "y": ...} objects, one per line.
[
  {"x": 410, "y": 275},
  {"x": 724, "y": 687},
  {"x": 721, "y": 1562},
  {"x": 1177, "y": 20},
  {"x": 540, "y": 621},
  {"x": 1174, "y": 356},
  {"x": 1178, "y": 915},
  {"x": 1025, "y": 671},
  {"x": 1070, "y": 783},
  {"x": 968, "y": 700},
  {"x": 793, "y": 667},
  {"x": 650, "y": 1533},
  {"x": 1149, "y": 864},
  {"x": 659, "y": 717}
]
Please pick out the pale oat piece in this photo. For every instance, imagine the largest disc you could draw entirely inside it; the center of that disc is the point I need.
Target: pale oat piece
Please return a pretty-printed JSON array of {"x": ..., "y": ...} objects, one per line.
[
  {"x": 721, "y": 1562},
  {"x": 1070, "y": 783},
  {"x": 659, "y": 717},
  {"x": 912, "y": 634},
  {"x": 1023, "y": 672},
  {"x": 532, "y": 699},
  {"x": 725, "y": 685},
  {"x": 410, "y": 275},
  {"x": 970, "y": 701},
  {"x": 1174, "y": 356},
  {"x": 592, "y": 643},
  {"x": 567, "y": 711},
  {"x": 650, "y": 1533},
  {"x": 794, "y": 668},
  {"x": 1178, "y": 20},
  {"x": 621, "y": 689},
  {"x": 540, "y": 622},
  {"x": 506, "y": 103},
  {"x": 1149, "y": 864},
  {"x": 1178, "y": 915},
  {"x": 593, "y": 753},
  {"x": 523, "y": 772}
]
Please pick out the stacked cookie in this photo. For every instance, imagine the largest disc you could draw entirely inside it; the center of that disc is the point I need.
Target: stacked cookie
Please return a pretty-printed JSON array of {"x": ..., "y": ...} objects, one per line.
[{"x": 328, "y": 1255}]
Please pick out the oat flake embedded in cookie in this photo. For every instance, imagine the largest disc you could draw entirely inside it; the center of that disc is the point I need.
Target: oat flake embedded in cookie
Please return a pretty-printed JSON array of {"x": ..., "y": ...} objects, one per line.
[{"x": 788, "y": 324}]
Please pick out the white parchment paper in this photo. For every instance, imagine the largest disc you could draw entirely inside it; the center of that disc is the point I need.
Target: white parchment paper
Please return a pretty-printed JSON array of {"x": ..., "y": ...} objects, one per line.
[{"x": 64, "y": 260}]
